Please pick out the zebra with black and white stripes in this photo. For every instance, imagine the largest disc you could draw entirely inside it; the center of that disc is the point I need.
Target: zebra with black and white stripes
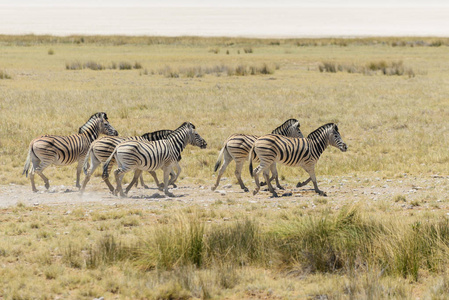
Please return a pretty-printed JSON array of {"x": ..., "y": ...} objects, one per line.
[
  {"x": 237, "y": 147},
  {"x": 303, "y": 152},
  {"x": 65, "y": 150},
  {"x": 150, "y": 156},
  {"x": 101, "y": 149}
]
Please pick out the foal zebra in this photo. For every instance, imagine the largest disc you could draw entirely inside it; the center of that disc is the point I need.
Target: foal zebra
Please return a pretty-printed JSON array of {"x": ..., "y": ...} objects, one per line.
[
  {"x": 101, "y": 149},
  {"x": 303, "y": 152},
  {"x": 150, "y": 156},
  {"x": 237, "y": 147},
  {"x": 65, "y": 150}
]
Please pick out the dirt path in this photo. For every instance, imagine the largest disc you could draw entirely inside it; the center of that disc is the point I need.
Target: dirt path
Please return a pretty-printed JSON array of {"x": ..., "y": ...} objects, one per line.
[{"x": 424, "y": 193}]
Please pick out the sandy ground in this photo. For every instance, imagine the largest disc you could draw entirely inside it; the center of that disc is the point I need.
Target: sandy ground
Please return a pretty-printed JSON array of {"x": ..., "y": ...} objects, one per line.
[{"x": 417, "y": 193}]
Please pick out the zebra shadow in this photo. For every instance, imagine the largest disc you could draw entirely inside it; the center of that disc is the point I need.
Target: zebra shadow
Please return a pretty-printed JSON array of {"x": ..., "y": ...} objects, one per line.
[{"x": 157, "y": 196}]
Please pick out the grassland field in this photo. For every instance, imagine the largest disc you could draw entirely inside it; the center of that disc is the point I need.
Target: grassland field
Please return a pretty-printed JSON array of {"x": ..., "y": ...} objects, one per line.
[{"x": 382, "y": 232}]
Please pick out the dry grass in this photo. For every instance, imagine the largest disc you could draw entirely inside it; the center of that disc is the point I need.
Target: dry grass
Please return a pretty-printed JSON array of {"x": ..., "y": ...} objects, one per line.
[{"x": 395, "y": 127}]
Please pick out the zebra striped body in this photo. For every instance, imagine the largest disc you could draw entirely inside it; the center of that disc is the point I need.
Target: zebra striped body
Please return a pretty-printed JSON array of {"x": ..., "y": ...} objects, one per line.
[
  {"x": 150, "y": 156},
  {"x": 303, "y": 152},
  {"x": 101, "y": 149},
  {"x": 65, "y": 150},
  {"x": 237, "y": 147}
]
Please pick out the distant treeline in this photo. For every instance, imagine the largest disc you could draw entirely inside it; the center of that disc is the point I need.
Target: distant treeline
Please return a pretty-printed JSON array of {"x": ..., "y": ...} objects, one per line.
[{"x": 30, "y": 39}]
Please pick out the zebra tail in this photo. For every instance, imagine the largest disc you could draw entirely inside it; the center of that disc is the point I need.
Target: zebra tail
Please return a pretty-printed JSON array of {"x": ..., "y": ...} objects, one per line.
[
  {"x": 86, "y": 160},
  {"x": 27, "y": 163},
  {"x": 106, "y": 164},
  {"x": 251, "y": 155},
  {"x": 220, "y": 156}
]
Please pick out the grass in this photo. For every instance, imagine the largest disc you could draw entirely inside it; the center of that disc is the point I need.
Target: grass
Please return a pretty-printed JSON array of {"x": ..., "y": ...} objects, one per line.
[
  {"x": 350, "y": 253},
  {"x": 380, "y": 67},
  {"x": 232, "y": 246}
]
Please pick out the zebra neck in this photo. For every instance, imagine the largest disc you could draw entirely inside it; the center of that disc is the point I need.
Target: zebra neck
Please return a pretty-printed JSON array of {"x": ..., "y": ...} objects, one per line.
[
  {"x": 90, "y": 131},
  {"x": 319, "y": 145},
  {"x": 178, "y": 142}
]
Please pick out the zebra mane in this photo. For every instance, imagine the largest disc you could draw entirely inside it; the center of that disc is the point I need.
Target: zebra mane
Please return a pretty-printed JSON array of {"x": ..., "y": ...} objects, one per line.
[
  {"x": 98, "y": 115},
  {"x": 320, "y": 130},
  {"x": 287, "y": 123}
]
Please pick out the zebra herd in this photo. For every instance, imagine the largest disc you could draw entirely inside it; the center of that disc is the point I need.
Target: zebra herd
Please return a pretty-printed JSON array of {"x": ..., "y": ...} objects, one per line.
[{"x": 162, "y": 150}]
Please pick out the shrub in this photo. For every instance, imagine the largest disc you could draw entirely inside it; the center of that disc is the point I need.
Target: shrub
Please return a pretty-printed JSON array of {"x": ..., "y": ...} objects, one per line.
[
  {"x": 248, "y": 50},
  {"x": 93, "y": 66},
  {"x": 124, "y": 66},
  {"x": 4, "y": 75}
]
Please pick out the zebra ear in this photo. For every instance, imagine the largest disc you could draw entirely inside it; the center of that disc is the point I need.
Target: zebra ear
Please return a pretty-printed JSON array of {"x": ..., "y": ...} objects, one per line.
[
  {"x": 79, "y": 130},
  {"x": 296, "y": 124}
]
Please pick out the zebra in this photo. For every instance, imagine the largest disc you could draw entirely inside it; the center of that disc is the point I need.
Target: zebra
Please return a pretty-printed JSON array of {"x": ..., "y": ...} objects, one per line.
[
  {"x": 150, "y": 156},
  {"x": 101, "y": 149},
  {"x": 65, "y": 150},
  {"x": 237, "y": 147},
  {"x": 303, "y": 152}
]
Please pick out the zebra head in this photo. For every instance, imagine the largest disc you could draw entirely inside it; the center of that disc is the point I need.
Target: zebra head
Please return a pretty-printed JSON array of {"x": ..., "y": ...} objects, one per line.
[
  {"x": 335, "y": 138},
  {"x": 98, "y": 123},
  {"x": 193, "y": 137},
  {"x": 289, "y": 128},
  {"x": 199, "y": 141}
]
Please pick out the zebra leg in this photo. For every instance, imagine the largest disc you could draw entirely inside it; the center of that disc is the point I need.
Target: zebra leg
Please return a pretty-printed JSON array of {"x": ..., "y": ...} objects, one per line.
[
  {"x": 35, "y": 162},
  {"x": 238, "y": 174},
  {"x": 266, "y": 174},
  {"x": 93, "y": 167},
  {"x": 311, "y": 172},
  {"x": 45, "y": 179},
  {"x": 106, "y": 179},
  {"x": 167, "y": 171},
  {"x": 275, "y": 176},
  {"x": 137, "y": 174},
  {"x": 160, "y": 186},
  {"x": 142, "y": 183},
  {"x": 79, "y": 168},
  {"x": 118, "y": 178},
  {"x": 300, "y": 184},
  {"x": 174, "y": 176},
  {"x": 39, "y": 171},
  {"x": 227, "y": 159},
  {"x": 256, "y": 173}
]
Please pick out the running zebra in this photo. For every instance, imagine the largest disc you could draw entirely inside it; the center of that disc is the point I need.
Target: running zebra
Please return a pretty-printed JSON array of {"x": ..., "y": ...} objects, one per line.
[
  {"x": 101, "y": 149},
  {"x": 65, "y": 150},
  {"x": 303, "y": 152},
  {"x": 237, "y": 147},
  {"x": 150, "y": 156}
]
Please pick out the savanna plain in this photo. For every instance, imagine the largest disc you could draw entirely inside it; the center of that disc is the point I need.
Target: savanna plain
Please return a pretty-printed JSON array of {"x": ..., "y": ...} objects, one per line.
[{"x": 381, "y": 233}]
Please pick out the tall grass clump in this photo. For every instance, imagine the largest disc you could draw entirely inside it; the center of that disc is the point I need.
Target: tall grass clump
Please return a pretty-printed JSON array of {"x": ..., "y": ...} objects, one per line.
[
  {"x": 326, "y": 244},
  {"x": 106, "y": 251},
  {"x": 371, "y": 68},
  {"x": 4, "y": 75},
  {"x": 240, "y": 242},
  {"x": 169, "y": 247},
  {"x": 188, "y": 242}
]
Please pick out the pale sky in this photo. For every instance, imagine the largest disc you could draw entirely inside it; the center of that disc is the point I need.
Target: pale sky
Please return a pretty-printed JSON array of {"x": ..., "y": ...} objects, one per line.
[{"x": 224, "y": 3}]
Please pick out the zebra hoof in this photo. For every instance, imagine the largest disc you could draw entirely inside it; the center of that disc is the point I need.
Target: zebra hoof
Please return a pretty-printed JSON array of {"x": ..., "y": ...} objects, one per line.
[
  {"x": 245, "y": 189},
  {"x": 174, "y": 185},
  {"x": 171, "y": 195},
  {"x": 262, "y": 183},
  {"x": 321, "y": 193},
  {"x": 275, "y": 195},
  {"x": 47, "y": 185},
  {"x": 146, "y": 187},
  {"x": 255, "y": 192},
  {"x": 213, "y": 188},
  {"x": 299, "y": 184}
]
